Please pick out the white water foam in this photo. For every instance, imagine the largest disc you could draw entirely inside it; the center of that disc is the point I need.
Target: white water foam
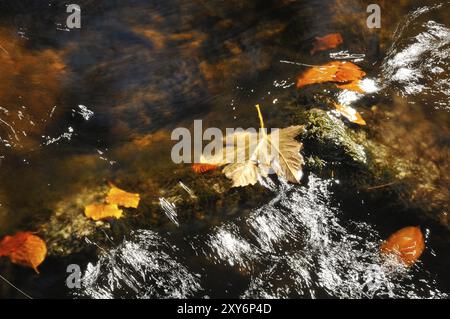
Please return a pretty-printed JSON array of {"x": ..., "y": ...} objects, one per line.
[
  {"x": 144, "y": 266},
  {"x": 419, "y": 65},
  {"x": 297, "y": 246}
]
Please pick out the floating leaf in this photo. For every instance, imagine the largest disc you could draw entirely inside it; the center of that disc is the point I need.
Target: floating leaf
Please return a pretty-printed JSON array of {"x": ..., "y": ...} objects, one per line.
[
  {"x": 254, "y": 155},
  {"x": 25, "y": 249},
  {"x": 203, "y": 168},
  {"x": 407, "y": 245},
  {"x": 346, "y": 75},
  {"x": 329, "y": 41},
  {"x": 103, "y": 211},
  {"x": 350, "y": 113},
  {"x": 349, "y": 72},
  {"x": 319, "y": 74},
  {"x": 122, "y": 198},
  {"x": 352, "y": 86}
]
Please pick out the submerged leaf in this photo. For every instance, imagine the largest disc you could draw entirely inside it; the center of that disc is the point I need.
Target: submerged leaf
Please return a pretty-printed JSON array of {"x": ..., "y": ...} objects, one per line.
[
  {"x": 329, "y": 41},
  {"x": 346, "y": 75},
  {"x": 122, "y": 198},
  {"x": 203, "y": 168},
  {"x": 103, "y": 211},
  {"x": 25, "y": 249},
  {"x": 350, "y": 113},
  {"x": 407, "y": 245}
]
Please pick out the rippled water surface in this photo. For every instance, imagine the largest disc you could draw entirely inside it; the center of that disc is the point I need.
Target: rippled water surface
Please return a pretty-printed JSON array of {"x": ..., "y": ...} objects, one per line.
[{"x": 81, "y": 108}]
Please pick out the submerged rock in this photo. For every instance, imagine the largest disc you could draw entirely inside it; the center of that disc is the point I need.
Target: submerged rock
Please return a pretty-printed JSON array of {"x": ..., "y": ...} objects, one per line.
[
  {"x": 67, "y": 229},
  {"x": 202, "y": 199},
  {"x": 327, "y": 138},
  {"x": 386, "y": 156}
]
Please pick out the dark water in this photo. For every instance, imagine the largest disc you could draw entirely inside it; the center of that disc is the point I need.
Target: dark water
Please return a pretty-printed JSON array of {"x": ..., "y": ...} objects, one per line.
[{"x": 83, "y": 107}]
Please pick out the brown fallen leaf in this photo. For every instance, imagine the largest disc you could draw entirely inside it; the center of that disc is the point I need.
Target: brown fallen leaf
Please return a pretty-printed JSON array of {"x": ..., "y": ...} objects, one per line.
[
  {"x": 407, "y": 245},
  {"x": 122, "y": 198},
  {"x": 329, "y": 41},
  {"x": 350, "y": 113},
  {"x": 103, "y": 211},
  {"x": 345, "y": 75},
  {"x": 25, "y": 249},
  {"x": 203, "y": 168},
  {"x": 256, "y": 155}
]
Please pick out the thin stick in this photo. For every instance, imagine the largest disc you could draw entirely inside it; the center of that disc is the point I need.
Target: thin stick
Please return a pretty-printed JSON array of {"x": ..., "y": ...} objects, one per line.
[
  {"x": 11, "y": 284},
  {"x": 380, "y": 186},
  {"x": 298, "y": 63}
]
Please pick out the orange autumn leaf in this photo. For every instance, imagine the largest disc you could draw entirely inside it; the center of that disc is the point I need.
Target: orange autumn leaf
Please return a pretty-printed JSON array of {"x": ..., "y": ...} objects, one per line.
[
  {"x": 349, "y": 72},
  {"x": 407, "y": 245},
  {"x": 352, "y": 86},
  {"x": 203, "y": 168},
  {"x": 345, "y": 74},
  {"x": 25, "y": 249},
  {"x": 122, "y": 198},
  {"x": 351, "y": 114},
  {"x": 329, "y": 41},
  {"x": 103, "y": 211},
  {"x": 319, "y": 74}
]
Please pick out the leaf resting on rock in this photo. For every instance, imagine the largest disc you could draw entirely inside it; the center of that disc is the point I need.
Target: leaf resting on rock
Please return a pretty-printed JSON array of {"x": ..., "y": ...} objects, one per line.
[
  {"x": 25, "y": 249},
  {"x": 103, "y": 211},
  {"x": 122, "y": 198},
  {"x": 350, "y": 113},
  {"x": 258, "y": 155}
]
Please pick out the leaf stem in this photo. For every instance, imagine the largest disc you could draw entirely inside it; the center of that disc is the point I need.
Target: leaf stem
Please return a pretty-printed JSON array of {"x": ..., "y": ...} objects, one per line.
[{"x": 261, "y": 120}]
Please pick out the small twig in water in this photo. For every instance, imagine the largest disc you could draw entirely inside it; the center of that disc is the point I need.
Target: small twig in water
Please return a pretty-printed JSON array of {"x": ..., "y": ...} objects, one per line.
[
  {"x": 298, "y": 63},
  {"x": 12, "y": 285},
  {"x": 380, "y": 186}
]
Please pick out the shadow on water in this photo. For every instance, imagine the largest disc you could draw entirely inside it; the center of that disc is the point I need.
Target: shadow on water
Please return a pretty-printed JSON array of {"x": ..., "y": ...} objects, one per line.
[{"x": 83, "y": 107}]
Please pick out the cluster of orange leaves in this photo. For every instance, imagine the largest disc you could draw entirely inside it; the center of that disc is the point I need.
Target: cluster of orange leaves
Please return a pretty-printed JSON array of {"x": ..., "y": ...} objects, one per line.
[
  {"x": 116, "y": 197},
  {"x": 27, "y": 249},
  {"x": 345, "y": 75},
  {"x": 406, "y": 245}
]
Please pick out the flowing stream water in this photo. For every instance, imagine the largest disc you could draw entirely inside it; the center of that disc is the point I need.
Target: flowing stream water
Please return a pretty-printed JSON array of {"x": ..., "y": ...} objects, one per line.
[{"x": 73, "y": 103}]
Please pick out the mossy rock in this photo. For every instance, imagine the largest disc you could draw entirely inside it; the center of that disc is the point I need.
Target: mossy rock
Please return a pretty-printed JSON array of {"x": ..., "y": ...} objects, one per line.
[{"x": 327, "y": 139}]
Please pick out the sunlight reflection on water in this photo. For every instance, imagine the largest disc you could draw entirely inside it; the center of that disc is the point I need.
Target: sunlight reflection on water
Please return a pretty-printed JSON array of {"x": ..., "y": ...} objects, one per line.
[{"x": 295, "y": 246}]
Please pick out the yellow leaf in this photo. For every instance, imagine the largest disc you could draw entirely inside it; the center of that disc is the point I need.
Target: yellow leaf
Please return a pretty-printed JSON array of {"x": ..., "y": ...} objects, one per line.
[
  {"x": 350, "y": 113},
  {"x": 25, "y": 249},
  {"x": 122, "y": 198},
  {"x": 102, "y": 211}
]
